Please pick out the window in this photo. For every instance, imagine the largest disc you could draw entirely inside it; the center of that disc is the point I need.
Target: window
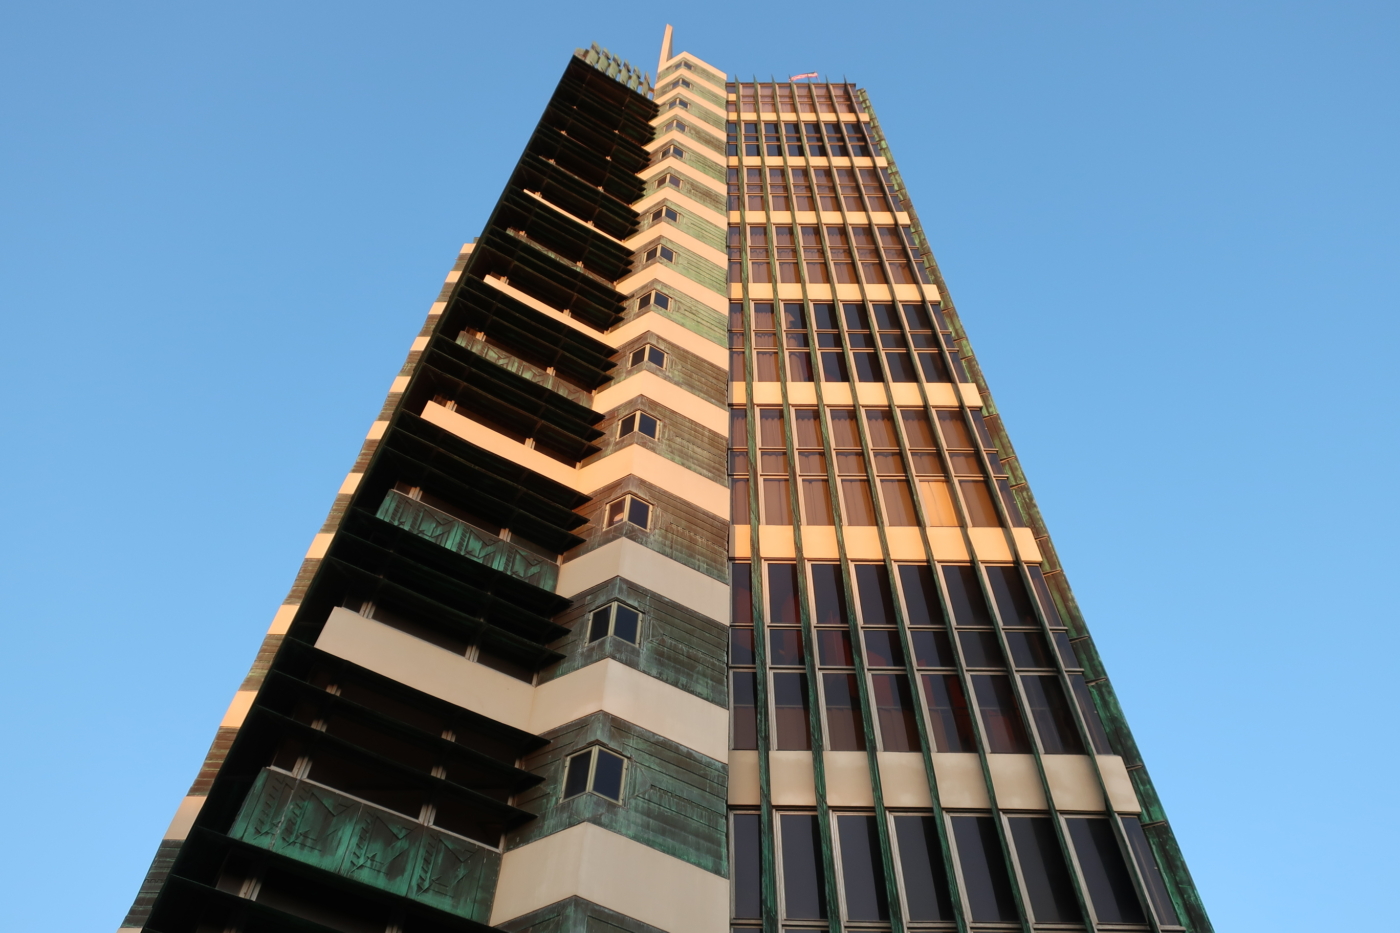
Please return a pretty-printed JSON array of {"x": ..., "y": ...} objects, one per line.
[
  {"x": 648, "y": 354},
  {"x": 665, "y": 213},
  {"x": 922, "y": 869},
  {"x": 989, "y": 892},
  {"x": 1048, "y": 880},
  {"x": 747, "y": 866},
  {"x": 614, "y": 619},
  {"x": 659, "y": 252},
  {"x": 630, "y": 509},
  {"x": 595, "y": 771},
  {"x": 680, "y": 102},
  {"x": 639, "y": 422},
  {"x": 657, "y": 300},
  {"x": 673, "y": 152},
  {"x": 668, "y": 179},
  {"x": 1106, "y": 874},
  {"x": 804, "y": 882},
  {"x": 862, "y": 867},
  {"x": 675, "y": 125}
]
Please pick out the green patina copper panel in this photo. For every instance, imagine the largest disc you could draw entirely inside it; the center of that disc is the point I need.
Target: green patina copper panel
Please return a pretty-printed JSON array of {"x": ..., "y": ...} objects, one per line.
[
  {"x": 699, "y": 270},
  {"x": 685, "y": 311},
  {"x": 457, "y": 536},
  {"x": 365, "y": 843},
  {"x": 674, "y": 799}
]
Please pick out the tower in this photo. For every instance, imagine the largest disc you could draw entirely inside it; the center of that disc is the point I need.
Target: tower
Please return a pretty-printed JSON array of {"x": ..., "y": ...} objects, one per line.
[{"x": 687, "y": 581}]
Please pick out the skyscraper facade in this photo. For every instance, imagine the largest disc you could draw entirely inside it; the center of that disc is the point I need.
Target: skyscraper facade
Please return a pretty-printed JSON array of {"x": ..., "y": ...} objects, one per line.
[{"x": 687, "y": 581}]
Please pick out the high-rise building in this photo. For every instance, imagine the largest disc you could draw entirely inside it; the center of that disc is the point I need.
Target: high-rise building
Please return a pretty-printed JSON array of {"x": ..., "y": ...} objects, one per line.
[{"x": 687, "y": 581}]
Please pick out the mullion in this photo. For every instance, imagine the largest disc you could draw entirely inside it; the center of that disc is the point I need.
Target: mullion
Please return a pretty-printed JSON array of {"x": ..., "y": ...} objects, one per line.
[
  {"x": 814, "y": 697},
  {"x": 1003, "y": 514},
  {"x": 972, "y": 553},
  {"x": 867, "y": 450},
  {"x": 757, "y": 588}
]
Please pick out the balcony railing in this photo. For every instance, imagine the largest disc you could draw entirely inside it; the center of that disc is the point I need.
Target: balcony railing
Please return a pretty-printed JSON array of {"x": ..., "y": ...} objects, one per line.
[
  {"x": 357, "y": 840},
  {"x": 457, "y": 536},
  {"x": 521, "y": 368}
]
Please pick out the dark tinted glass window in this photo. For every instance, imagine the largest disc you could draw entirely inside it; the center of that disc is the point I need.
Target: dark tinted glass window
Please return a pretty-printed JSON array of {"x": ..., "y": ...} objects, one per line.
[
  {"x": 828, "y": 595},
  {"x": 981, "y": 648},
  {"x": 949, "y": 716},
  {"x": 782, "y": 594},
  {"x": 1009, "y": 592},
  {"x": 1029, "y": 649},
  {"x": 804, "y": 887},
  {"x": 862, "y": 868},
  {"x": 1042, "y": 591},
  {"x": 983, "y": 868},
  {"x": 576, "y": 777},
  {"x": 867, "y": 367},
  {"x": 824, "y": 316},
  {"x": 1097, "y": 734},
  {"x": 607, "y": 775},
  {"x": 792, "y": 724},
  {"x": 882, "y": 648},
  {"x": 1151, "y": 874},
  {"x": 894, "y": 711},
  {"x": 921, "y": 864},
  {"x": 1050, "y": 711},
  {"x": 834, "y": 648},
  {"x": 1105, "y": 873},
  {"x": 876, "y": 598},
  {"x": 920, "y": 595},
  {"x": 1048, "y": 880},
  {"x": 932, "y": 648},
  {"x": 744, "y": 709},
  {"x": 785, "y": 647},
  {"x": 1067, "y": 654},
  {"x": 625, "y": 622},
  {"x": 748, "y": 867},
  {"x": 741, "y": 646},
  {"x": 843, "y": 719},
  {"x": 965, "y": 595},
  {"x": 1006, "y": 732},
  {"x": 740, "y": 595}
]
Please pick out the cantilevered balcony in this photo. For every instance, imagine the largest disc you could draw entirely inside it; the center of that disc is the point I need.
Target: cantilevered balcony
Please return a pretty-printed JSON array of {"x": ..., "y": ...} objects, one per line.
[{"x": 461, "y": 538}]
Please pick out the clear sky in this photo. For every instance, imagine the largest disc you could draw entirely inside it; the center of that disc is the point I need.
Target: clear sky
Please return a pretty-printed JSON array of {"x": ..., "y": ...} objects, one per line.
[{"x": 1170, "y": 228}]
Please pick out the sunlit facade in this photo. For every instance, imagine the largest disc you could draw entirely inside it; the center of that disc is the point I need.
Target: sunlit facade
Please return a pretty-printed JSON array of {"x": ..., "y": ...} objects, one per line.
[{"x": 687, "y": 581}]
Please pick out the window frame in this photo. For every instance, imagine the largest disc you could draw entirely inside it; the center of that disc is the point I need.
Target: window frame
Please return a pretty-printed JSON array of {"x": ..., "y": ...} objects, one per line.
[
  {"x": 611, "y": 607},
  {"x": 628, "y": 501},
  {"x": 593, "y": 752},
  {"x": 636, "y": 420}
]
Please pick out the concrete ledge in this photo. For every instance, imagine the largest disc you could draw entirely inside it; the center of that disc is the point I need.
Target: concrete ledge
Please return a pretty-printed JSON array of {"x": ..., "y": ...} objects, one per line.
[{"x": 615, "y": 872}]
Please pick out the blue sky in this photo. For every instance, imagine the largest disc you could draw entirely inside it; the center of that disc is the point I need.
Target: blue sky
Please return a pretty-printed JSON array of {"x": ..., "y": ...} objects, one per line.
[{"x": 1170, "y": 228}]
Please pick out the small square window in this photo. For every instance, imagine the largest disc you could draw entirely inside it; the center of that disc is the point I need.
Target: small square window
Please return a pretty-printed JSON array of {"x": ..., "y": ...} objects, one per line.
[
  {"x": 614, "y": 619},
  {"x": 664, "y": 213},
  {"x": 676, "y": 125},
  {"x": 673, "y": 180},
  {"x": 680, "y": 102},
  {"x": 629, "y": 509},
  {"x": 673, "y": 152},
  {"x": 664, "y": 253},
  {"x": 658, "y": 299},
  {"x": 668, "y": 254},
  {"x": 648, "y": 354},
  {"x": 639, "y": 422},
  {"x": 595, "y": 771},
  {"x": 685, "y": 83}
]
